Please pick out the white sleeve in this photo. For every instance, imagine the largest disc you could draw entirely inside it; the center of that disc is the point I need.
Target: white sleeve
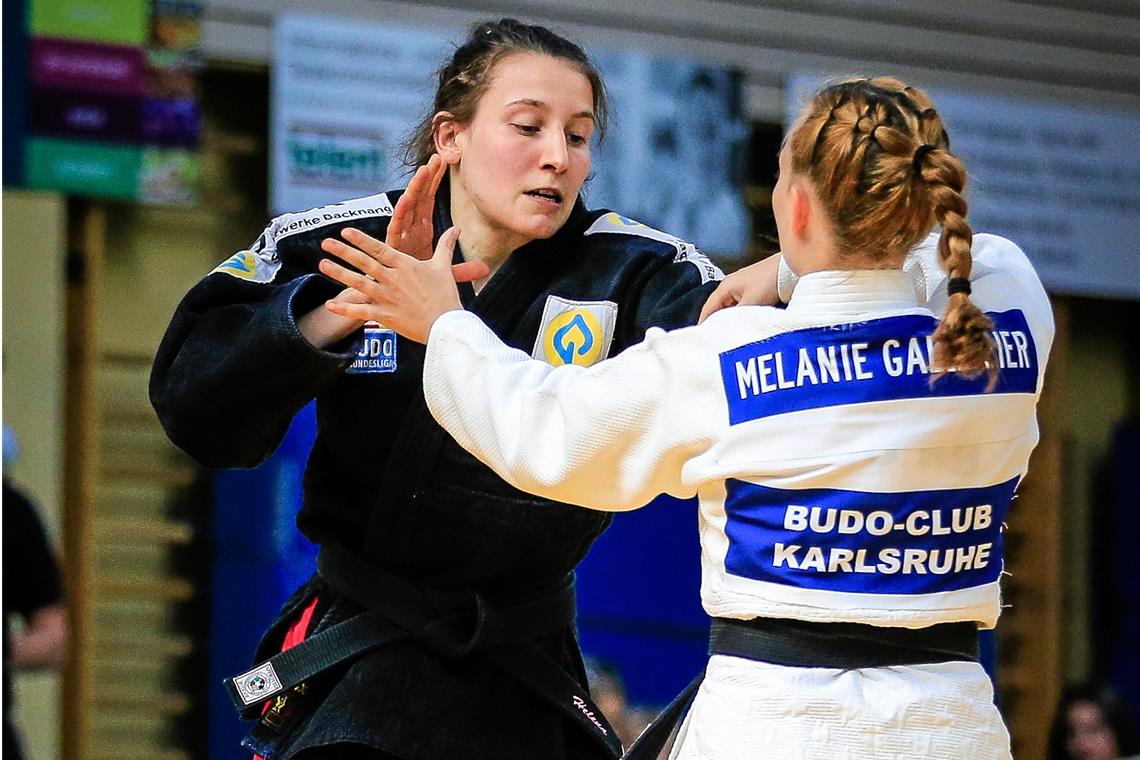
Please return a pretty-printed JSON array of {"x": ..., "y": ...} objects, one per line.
[
  {"x": 609, "y": 437},
  {"x": 1002, "y": 278}
]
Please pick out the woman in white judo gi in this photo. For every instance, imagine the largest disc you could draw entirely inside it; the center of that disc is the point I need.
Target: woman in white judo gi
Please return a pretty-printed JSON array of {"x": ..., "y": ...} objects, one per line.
[{"x": 854, "y": 453}]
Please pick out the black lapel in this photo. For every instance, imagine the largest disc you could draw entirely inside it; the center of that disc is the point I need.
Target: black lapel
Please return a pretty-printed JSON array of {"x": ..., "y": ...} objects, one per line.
[{"x": 523, "y": 277}]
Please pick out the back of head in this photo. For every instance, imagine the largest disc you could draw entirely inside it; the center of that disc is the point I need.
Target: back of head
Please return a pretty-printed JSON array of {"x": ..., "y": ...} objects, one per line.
[
  {"x": 879, "y": 159},
  {"x": 467, "y": 75}
]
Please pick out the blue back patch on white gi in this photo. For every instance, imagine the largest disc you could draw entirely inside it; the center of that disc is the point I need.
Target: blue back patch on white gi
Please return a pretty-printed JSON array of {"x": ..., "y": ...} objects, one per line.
[
  {"x": 917, "y": 542},
  {"x": 377, "y": 352},
  {"x": 878, "y": 360}
]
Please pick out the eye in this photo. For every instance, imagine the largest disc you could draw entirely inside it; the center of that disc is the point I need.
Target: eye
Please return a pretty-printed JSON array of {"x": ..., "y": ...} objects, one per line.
[
  {"x": 527, "y": 129},
  {"x": 577, "y": 139}
]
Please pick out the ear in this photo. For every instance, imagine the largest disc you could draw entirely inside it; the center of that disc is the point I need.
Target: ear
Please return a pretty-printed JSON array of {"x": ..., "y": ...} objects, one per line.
[
  {"x": 802, "y": 209},
  {"x": 446, "y": 132}
]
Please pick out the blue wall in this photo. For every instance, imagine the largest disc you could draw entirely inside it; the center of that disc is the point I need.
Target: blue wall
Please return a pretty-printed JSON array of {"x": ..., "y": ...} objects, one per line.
[
  {"x": 255, "y": 570},
  {"x": 639, "y": 600}
]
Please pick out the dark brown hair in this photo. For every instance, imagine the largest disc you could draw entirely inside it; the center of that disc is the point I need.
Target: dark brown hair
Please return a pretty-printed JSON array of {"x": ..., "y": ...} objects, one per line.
[
  {"x": 879, "y": 158},
  {"x": 464, "y": 79},
  {"x": 1116, "y": 712}
]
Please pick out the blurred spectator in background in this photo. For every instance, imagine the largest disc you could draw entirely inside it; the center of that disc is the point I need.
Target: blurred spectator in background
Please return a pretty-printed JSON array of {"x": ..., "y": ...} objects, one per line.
[
  {"x": 607, "y": 687},
  {"x": 608, "y": 690},
  {"x": 1092, "y": 723},
  {"x": 32, "y": 591},
  {"x": 693, "y": 152}
]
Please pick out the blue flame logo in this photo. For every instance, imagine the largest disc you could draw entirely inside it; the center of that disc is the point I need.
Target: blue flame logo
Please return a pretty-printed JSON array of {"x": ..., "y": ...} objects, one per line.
[{"x": 564, "y": 339}]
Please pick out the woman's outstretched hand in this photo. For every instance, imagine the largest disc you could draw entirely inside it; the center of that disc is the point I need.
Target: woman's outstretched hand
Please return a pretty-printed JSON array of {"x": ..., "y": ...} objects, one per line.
[
  {"x": 410, "y": 229},
  {"x": 753, "y": 285},
  {"x": 394, "y": 288}
]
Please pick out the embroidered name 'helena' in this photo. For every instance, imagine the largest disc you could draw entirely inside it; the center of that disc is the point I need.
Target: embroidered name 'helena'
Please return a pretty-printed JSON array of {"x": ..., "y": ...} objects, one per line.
[{"x": 581, "y": 705}]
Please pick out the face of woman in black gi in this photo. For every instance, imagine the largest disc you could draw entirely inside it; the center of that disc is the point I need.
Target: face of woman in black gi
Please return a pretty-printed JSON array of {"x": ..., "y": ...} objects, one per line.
[{"x": 518, "y": 166}]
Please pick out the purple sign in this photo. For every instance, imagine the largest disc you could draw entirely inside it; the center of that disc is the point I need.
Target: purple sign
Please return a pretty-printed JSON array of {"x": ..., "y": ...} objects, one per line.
[
  {"x": 171, "y": 122},
  {"x": 88, "y": 67},
  {"x": 108, "y": 118}
]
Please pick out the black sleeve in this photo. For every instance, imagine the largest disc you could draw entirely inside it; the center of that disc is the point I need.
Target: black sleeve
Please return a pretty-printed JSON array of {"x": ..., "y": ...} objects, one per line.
[
  {"x": 232, "y": 368},
  {"x": 31, "y": 575}
]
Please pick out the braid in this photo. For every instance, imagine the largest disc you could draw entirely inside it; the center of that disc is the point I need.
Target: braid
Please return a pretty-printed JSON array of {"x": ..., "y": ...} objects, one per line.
[
  {"x": 879, "y": 157},
  {"x": 962, "y": 341}
]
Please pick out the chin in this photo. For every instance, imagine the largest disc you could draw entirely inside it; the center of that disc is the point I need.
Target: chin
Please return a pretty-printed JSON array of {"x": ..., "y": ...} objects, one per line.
[{"x": 542, "y": 229}]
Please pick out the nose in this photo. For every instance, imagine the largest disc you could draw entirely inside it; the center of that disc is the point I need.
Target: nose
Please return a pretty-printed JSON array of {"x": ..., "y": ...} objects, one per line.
[{"x": 555, "y": 154}]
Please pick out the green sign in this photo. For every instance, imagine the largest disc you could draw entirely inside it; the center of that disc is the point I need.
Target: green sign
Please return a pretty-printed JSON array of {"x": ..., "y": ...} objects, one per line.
[
  {"x": 84, "y": 168},
  {"x": 125, "y": 22}
]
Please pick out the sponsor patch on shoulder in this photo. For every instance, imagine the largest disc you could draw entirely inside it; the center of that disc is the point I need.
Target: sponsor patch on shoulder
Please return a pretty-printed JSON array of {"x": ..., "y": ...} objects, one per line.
[
  {"x": 615, "y": 223},
  {"x": 575, "y": 332},
  {"x": 251, "y": 266},
  {"x": 357, "y": 208}
]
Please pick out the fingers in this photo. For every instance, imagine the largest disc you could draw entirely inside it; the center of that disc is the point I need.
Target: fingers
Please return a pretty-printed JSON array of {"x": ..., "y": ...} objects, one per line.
[
  {"x": 361, "y": 312},
  {"x": 350, "y": 279},
  {"x": 469, "y": 271},
  {"x": 419, "y": 190},
  {"x": 362, "y": 243},
  {"x": 417, "y": 204},
  {"x": 445, "y": 248},
  {"x": 365, "y": 242},
  {"x": 351, "y": 295},
  {"x": 420, "y": 228},
  {"x": 353, "y": 257},
  {"x": 721, "y": 298},
  {"x": 440, "y": 169},
  {"x": 405, "y": 208}
]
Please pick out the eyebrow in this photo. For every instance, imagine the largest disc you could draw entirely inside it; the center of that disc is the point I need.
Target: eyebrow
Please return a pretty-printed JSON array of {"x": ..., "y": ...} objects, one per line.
[{"x": 539, "y": 104}]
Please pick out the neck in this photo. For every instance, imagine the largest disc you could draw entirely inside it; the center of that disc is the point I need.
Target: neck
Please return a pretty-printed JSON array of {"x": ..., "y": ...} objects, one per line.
[
  {"x": 814, "y": 252},
  {"x": 481, "y": 239}
]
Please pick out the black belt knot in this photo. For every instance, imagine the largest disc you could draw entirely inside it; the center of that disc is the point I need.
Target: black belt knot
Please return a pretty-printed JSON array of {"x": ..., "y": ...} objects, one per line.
[{"x": 453, "y": 622}]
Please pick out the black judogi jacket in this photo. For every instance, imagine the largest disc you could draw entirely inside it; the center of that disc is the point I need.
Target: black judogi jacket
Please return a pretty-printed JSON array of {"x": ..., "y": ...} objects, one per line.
[{"x": 383, "y": 479}]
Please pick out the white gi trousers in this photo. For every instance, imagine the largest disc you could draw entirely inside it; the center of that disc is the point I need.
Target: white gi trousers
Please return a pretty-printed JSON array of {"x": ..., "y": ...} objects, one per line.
[{"x": 748, "y": 710}]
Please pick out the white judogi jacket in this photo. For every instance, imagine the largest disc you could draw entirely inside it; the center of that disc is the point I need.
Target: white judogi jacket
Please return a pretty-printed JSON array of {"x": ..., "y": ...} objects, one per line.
[{"x": 836, "y": 482}]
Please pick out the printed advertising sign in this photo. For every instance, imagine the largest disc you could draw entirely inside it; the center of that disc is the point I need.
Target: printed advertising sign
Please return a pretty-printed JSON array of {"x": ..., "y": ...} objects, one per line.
[
  {"x": 1062, "y": 182},
  {"x": 112, "y": 107},
  {"x": 126, "y": 22},
  {"x": 345, "y": 97}
]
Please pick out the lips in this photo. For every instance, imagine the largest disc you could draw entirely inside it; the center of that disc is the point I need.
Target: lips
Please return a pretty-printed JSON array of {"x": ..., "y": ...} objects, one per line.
[{"x": 546, "y": 194}]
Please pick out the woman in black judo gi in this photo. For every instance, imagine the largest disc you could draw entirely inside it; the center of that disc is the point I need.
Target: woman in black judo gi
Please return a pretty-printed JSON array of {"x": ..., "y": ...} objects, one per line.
[{"x": 433, "y": 629}]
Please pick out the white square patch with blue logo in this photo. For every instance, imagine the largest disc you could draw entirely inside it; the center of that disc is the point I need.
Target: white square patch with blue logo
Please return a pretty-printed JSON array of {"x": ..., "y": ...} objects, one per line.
[
  {"x": 377, "y": 352},
  {"x": 575, "y": 332},
  {"x": 257, "y": 684}
]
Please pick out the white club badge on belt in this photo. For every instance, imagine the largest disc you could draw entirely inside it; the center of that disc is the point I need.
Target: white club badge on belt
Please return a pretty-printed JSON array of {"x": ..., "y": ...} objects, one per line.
[
  {"x": 257, "y": 684},
  {"x": 575, "y": 332},
  {"x": 377, "y": 352}
]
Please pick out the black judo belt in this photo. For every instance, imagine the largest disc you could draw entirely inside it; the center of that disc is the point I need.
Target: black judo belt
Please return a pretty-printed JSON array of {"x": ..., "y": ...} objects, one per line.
[
  {"x": 453, "y": 623},
  {"x": 801, "y": 644}
]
